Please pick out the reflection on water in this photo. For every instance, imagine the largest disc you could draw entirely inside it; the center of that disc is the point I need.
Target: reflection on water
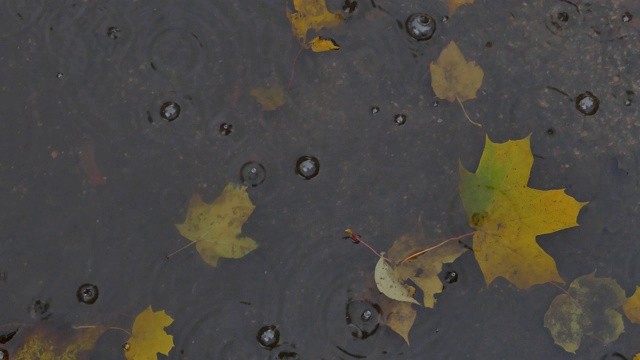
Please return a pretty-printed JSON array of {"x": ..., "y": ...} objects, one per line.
[{"x": 160, "y": 95}]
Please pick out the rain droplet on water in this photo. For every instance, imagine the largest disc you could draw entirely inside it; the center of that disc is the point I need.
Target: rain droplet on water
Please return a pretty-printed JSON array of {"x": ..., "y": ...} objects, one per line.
[
  {"x": 225, "y": 129},
  {"x": 587, "y": 103},
  {"x": 307, "y": 167},
  {"x": 626, "y": 17},
  {"x": 59, "y": 75},
  {"x": 268, "y": 336},
  {"x": 400, "y": 119},
  {"x": 451, "y": 277},
  {"x": 252, "y": 173},
  {"x": 375, "y": 110},
  {"x": 421, "y": 26},
  {"x": 363, "y": 318},
  {"x": 39, "y": 309},
  {"x": 87, "y": 293},
  {"x": 170, "y": 110},
  {"x": 563, "y": 16},
  {"x": 112, "y": 32},
  {"x": 4, "y": 354}
]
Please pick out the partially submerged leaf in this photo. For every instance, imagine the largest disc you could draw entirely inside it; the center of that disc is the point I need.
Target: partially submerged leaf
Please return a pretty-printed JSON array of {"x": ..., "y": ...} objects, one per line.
[
  {"x": 148, "y": 337},
  {"x": 312, "y": 14},
  {"x": 452, "y": 77},
  {"x": 49, "y": 343},
  {"x": 631, "y": 307},
  {"x": 216, "y": 227},
  {"x": 454, "y": 4},
  {"x": 424, "y": 270},
  {"x": 319, "y": 44},
  {"x": 509, "y": 215},
  {"x": 399, "y": 316},
  {"x": 389, "y": 283},
  {"x": 270, "y": 98},
  {"x": 588, "y": 311}
]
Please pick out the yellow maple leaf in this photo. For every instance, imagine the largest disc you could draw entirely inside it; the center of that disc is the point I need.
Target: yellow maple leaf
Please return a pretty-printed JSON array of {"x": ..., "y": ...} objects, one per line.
[
  {"x": 509, "y": 215},
  {"x": 270, "y": 98},
  {"x": 424, "y": 270},
  {"x": 319, "y": 44},
  {"x": 588, "y": 309},
  {"x": 45, "y": 342},
  {"x": 148, "y": 337},
  {"x": 398, "y": 316},
  {"x": 312, "y": 14},
  {"x": 454, "y": 4},
  {"x": 215, "y": 228},
  {"x": 631, "y": 307},
  {"x": 453, "y": 77}
]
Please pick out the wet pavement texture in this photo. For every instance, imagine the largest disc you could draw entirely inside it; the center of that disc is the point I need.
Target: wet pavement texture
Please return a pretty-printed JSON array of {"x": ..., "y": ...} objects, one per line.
[{"x": 113, "y": 115}]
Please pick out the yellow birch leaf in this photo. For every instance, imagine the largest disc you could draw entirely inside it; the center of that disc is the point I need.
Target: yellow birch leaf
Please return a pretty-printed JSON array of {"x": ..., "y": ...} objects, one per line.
[
  {"x": 148, "y": 337},
  {"x": 270, "y": 98},
  {"x": 454, "y": 4},
  {"x": 424, "y": 270},
  {"x": 398, "y": 316},
  {"x": 389, "y": 283},
  {"x": 216, "y": 227},
  {"x": 45, "y": 342},
  {"x": 587, "y": 310},
  {"x": 319, "y": 44},
  {"x": 509, "y": 215},
  {"x": 312, "y": 14},
  {"x": 452, "y": 77},
  {"x": 631, "y": 307}
]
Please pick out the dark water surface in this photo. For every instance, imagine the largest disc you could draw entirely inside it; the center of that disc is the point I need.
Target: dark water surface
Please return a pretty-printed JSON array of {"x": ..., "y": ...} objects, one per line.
[{"x": 83, "y": 78}]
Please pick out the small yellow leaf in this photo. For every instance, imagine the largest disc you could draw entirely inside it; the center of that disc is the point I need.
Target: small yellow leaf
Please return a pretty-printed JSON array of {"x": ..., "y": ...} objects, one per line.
[
  {"x": 64, "y": 343},
  {"x": 312, "y": 14},
  {"x": 589, "y": 310},
  {"x": 452, "y": 77},
  {"x": 390, "y": 284},
  {"x": 631, "y": 307},
  {"x": 148, "y": 337},
  {"x": 216, "y": 227},
  {"x": 270, "y": 98},
  {"x": 399, "y": 316},
  {"x": 454, "y": 4},
  {"x": 319, "y": 44}
]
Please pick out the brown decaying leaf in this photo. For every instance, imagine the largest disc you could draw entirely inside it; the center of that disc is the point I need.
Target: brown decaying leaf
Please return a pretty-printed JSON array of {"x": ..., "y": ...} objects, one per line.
[
  {"x": 59, "y": 343},
  {"x": 453, "y": 77},
  {"x": 271, "y": 97}
]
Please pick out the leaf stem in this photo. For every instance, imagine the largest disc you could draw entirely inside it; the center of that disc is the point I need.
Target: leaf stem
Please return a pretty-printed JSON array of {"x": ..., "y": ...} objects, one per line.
[
  {"x": 416, "y": 254},
  {"x": 465, "y": 113},
  {"x": 357, "y": 239},
  {"x": 177, "y": 251},
  {"x": 293, "y": 67}
]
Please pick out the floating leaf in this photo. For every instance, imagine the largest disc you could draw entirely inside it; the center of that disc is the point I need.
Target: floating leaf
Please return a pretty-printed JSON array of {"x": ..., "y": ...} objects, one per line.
[
  {"x": 319, "y": 44},
  {"x": 424, "y": 270},
  {"x": 631, "y": 307},
  {"x": 454, "y": 4},
  {"x": 509, "y": 215},
  {"x": 452, "y": 77},
  {"x": 588, "y": 311},
  {"x": 63, "y": 343},
  {"x": 390, "y": 284},
  {"x": 148, "y": 337},
  {"x": 270, "y": 98},
  {"x": 312, "y": 14},
  {"x": 399, "y": 316},
  {"x": 216, "y": 227}
]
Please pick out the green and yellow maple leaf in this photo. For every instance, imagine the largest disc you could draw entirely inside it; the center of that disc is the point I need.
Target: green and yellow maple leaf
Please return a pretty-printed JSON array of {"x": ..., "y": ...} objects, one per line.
[
  {"x": 508, "y": 215},
  {"x": 216, "y": 228}
]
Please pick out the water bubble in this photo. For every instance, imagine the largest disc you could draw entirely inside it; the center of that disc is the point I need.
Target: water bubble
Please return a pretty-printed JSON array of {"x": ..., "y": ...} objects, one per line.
[
  {"x": 112, "y": 32},
  {"x": 349, "y": 6},
  {"x": 421, "y": 26},
  {"x": 587, "y": 103},
  {"x": 551, "y": 131},
  {"x": 268, "y": 336},
  {"x": 87, "y": 293},
  {"x": 400, "y": 119},
  {"x": 435, "y": 103},
  {"x": 307, "y": 167},
  {"x": 225, "y": 129},
  {"x": 563, "y": 16},
  {"x": 451, "y": 277},
  {"x": 629, "y": 100},
  {"x": 444, "y": 19},
  {"x": 288, "y": 355},
  {"x": 626, "y": 17},
  {"x": 126, "y": 346},
  {"x": 363, "y": 318},
  {"x": 488, "y": 44},
  {"x": 375, "y": 110},
  {"x": 4, "y": 354},
  {"x": 39, "y": 309},
  {"x": 252, "y": 173},
  {"x": 170, "y": 110},
  {"x": 59, "y": 75}
]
